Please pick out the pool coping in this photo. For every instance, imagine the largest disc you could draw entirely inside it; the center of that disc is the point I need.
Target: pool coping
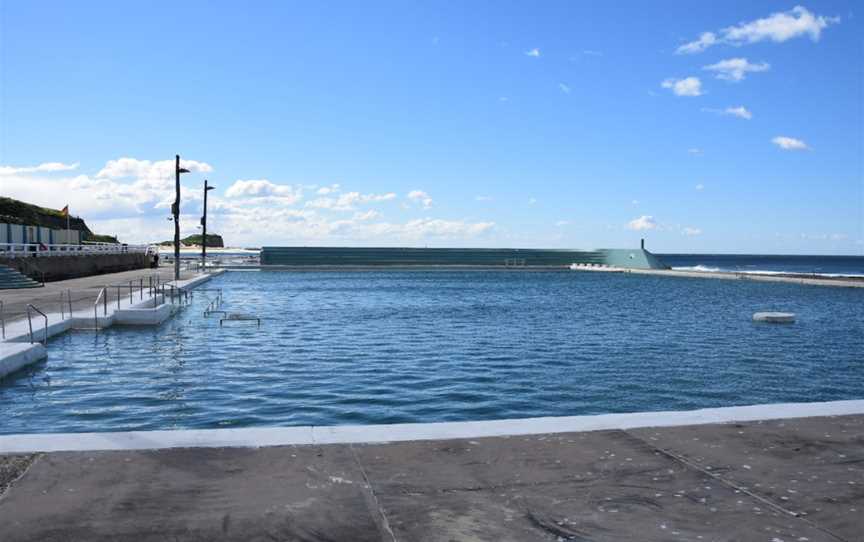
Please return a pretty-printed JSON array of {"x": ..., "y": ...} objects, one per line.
[{"x": 256, "y": 437}]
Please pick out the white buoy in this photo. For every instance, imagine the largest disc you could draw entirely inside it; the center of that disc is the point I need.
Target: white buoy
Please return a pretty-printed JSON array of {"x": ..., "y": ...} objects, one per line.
[{"x": 774, "y": 317}]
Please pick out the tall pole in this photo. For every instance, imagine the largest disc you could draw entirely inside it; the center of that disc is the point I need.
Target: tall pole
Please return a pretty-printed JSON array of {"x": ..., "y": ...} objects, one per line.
[
  {"x": 175, "y": 210},
  {"x": 204, "y": 229}
]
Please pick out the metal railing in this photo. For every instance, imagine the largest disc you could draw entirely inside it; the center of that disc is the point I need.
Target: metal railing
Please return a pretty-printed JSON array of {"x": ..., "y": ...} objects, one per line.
[
  {"x": 103, "y": 296},
  {"x": 17, "y": 250},
  {"x": 3, "y": 319},
  {"x": 174, "y": 293},
  {"x": 68, "y": 299},
  {"x": 30, "y": 322}
]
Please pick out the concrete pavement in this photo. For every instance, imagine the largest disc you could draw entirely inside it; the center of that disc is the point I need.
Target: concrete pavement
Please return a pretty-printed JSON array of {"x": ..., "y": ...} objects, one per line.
[
  {"x": 793, "y": 480},
  {"x": 84, "y": 290}
]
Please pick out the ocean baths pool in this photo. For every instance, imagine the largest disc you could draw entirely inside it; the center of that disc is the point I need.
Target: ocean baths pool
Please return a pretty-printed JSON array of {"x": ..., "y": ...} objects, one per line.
[{"x": 425, "y": 346}]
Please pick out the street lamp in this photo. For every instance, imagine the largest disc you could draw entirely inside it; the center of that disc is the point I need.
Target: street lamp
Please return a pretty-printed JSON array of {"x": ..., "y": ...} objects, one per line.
[
  {"x": 175, "y": 210},
  {"x": 207, "y": 188}
]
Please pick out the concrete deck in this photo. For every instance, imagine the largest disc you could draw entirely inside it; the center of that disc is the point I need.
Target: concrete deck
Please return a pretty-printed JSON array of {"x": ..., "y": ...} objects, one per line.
[
  {"x": 792, "y": 480},
  {"x": 85, "y": 290}
]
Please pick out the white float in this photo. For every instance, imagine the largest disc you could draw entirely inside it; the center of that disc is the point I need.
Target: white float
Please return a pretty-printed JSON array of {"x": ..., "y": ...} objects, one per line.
[{"x": 774, "y": 317}]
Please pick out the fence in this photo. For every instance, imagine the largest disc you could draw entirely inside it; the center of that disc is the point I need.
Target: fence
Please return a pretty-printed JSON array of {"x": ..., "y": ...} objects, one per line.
[{"x": 18, "y": 250}]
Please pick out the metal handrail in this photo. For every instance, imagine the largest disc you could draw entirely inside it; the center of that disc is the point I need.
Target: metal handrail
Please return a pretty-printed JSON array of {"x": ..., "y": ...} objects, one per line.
[
  {"x": 69, "y": 300},
  {"x": 103, "y": 295},
  {"x": 30, "y": 322},
  {"x": 3, "y": 319}
]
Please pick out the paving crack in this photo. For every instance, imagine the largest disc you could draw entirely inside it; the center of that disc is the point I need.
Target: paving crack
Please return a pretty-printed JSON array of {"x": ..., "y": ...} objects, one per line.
[
  {"x": 383, "y": 523},
  {"x": 13, "y": 468},
  {"x": 734, "y": 486}
]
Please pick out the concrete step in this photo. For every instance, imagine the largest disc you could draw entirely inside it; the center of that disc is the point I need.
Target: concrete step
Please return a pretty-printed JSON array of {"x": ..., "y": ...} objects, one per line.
[{"x": 11, "y": 279}]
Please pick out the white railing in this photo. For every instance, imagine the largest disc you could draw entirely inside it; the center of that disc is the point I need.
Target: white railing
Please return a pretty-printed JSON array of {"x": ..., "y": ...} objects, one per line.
[{"x": 13, "y": 250}]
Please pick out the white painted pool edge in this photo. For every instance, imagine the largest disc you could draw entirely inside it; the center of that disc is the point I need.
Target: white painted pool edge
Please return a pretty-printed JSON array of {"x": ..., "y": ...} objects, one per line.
[
  {"x": 14, "y": 357},
  {"x": 255, "y": 437}
]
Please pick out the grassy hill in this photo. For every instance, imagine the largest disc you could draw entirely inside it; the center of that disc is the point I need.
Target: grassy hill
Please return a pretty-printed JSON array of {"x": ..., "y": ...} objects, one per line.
[
  {"x": 213, "y": 241},
  {"x": 13, "y": 211}
]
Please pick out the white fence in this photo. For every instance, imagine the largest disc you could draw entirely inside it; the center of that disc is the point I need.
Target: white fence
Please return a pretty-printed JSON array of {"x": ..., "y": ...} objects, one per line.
[
  {"x": 21, "y": 233},
  {"x": 18, "y": 250}
]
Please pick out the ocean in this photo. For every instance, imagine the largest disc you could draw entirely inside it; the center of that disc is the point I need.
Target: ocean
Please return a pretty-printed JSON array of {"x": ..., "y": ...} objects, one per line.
[{"x": 831, "y": 266}]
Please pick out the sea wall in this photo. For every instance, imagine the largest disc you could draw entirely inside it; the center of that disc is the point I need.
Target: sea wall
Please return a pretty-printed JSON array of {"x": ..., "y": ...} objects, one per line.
[
  {"x": 484, "y": 257},
  {"x": 70, "y": 267}
]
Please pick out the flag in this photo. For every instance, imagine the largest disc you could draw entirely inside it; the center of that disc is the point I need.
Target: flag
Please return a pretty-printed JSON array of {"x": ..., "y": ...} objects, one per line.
[{"x": 65, "y": 211}]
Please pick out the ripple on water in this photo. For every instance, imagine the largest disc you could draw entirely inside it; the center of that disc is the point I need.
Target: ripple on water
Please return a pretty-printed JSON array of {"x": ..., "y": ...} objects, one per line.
[{"x": 414, "y": 346}]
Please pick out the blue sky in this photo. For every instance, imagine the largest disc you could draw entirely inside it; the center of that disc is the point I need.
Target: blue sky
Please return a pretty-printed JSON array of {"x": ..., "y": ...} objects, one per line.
[{"x": 704, "y": 127}]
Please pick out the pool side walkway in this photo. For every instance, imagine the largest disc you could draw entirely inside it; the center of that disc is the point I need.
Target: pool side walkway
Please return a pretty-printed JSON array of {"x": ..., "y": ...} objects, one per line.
[{"x": 783, "y": 480}]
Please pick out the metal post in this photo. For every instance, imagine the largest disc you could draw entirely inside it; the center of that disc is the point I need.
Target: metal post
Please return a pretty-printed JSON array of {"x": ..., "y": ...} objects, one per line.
[
  {"x": 69, "y": 297},
  {"x": 175, "y": 210},
  {"x": 207, "y": 188},
  {"x": 141, "y": 288}
]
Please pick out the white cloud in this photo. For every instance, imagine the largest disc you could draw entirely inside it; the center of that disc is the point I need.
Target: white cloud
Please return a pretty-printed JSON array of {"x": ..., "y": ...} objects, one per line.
[
  {"x": 47, "y": 167},
  {"x": 348, "y": 201},
  {"x": 324, "y": 190},
  {"x": 420, "y": 197},
  {"x": 589, "y": 52},
  {"x": 700, "y": 186},
  {"x": 131, "y": 196},
  {"x": 126, "y": 185},
  {"x": 735, "y": 69},
  {"x": 503, "y": 99},
  {"x": 706, "y": 40},
  {"x": 691, "y": 231},
  {"x": 564, "y": 88},
  {"x": 258, "y": 188},
  {"x": 562, "y": 223},
  {"x": 532, "y": 201},
  {"x": 368, "y": 215},
  {"x": 162, "y": 169},
  {"x": 790, "y": 143},
  {"x": 689, "y": 86},
  {"x": 741, "y": 112},
  {"x": 777, "y": 27},
  {"x": 695, "y": 151},
  {"x": 535, "y": 52},
  {"x": 434, "y": 227},
  {"x": 644, "y": 222},
  {"x": 483, "y": 198}
]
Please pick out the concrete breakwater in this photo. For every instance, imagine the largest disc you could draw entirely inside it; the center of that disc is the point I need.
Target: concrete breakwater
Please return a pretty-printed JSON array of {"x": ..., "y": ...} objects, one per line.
[
  {"x": 792, "y": 278},
  {"x": 17, "y": 351}
]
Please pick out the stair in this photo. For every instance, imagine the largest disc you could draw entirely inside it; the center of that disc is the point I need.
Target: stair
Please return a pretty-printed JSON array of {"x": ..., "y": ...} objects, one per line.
[{"x": 11, "y": 279}]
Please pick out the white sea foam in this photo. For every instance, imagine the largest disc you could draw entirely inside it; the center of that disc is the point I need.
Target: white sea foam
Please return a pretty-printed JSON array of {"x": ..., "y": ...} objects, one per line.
[
  {"x": 707, "y": 269},
  {"x": 703, "y": 268}
]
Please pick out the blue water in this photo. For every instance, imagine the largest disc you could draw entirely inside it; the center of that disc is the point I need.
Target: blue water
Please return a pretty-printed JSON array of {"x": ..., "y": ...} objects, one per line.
[
  {"x": 423, "y": 346},
  {"x": 819, "y": 265}
]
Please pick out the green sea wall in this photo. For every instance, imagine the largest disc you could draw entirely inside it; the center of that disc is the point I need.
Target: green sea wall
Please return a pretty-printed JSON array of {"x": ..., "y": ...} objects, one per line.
[{"x": 485, "y": 257}]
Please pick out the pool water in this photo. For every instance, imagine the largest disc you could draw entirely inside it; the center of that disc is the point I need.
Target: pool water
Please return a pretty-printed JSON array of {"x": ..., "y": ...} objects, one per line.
[{"x": 425, "y": 346}]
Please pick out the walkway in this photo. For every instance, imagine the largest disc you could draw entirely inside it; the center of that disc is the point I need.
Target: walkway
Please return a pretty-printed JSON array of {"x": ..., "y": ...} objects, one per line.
[{"x": 793, "y": 480}]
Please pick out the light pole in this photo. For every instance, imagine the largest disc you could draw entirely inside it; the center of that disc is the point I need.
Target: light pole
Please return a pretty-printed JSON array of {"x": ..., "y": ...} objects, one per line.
[
  {"x": 175, "y": 210},
  {"x": 207, "y": 188}
]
